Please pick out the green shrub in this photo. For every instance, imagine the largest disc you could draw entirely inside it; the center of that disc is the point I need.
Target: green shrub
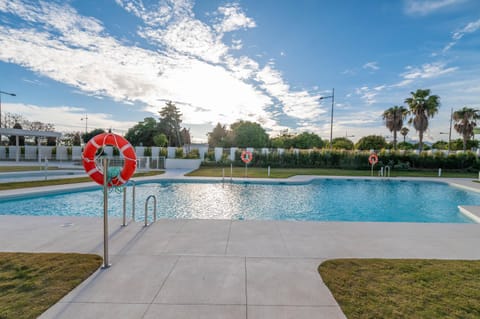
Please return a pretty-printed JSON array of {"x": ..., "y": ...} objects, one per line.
[{"x": 179, "y": 152}]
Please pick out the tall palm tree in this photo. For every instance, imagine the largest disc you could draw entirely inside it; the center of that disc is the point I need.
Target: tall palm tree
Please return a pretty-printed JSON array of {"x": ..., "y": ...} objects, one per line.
[
  {"x": 422, "y": 106},
  {"x": 404, "y": 131},
  {"x": 465, "y": 123},
  {"x": 393, "y": 118}
]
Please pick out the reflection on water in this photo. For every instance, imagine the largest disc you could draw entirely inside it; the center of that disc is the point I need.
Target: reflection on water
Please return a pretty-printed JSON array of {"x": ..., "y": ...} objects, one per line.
[{"x": 323, "y": 200}]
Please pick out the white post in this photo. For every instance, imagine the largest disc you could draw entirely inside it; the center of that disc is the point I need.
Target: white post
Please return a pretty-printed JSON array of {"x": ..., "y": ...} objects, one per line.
[
  {"x": 231, "y": 172},
  {"x": 46, "y": 168},
  {"x": 17, "y": 142},
  {"x": 439, "y": 172},
  {"x": 269, "y": 171}
]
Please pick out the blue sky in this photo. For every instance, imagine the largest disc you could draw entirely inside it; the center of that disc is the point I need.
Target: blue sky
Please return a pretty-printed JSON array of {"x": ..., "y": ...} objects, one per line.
[{"x": 266, "y": 61}]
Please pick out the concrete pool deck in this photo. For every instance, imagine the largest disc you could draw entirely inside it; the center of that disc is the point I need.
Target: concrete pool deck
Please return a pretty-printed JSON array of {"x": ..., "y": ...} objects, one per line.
[{"x": 223, "y": 268}]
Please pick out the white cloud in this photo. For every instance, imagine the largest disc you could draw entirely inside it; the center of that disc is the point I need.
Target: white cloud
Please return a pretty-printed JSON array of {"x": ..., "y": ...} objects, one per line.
[
  {"x": 425, "y": 7},
  {"x": 67, "y": 118},
  {"x": 426, "y": 71},
  {"x": 457, "y": 35},
  {"x": 371, "y": 65},
  {"x": 189, "y": 62},
  {"x": 233, "y": 19},
  {"x": 367, "y": 94}
]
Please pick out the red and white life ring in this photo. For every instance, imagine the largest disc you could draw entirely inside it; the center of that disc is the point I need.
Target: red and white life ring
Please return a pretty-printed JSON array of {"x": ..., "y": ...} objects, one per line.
[
  {"x": 246, "y": 157},
  {"x": 373, "y": 159},
  {"x": 101, "y": 140}
]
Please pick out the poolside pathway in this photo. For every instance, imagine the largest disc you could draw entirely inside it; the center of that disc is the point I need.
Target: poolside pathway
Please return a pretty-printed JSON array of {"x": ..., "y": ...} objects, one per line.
[{"x": 222, "y": 268}]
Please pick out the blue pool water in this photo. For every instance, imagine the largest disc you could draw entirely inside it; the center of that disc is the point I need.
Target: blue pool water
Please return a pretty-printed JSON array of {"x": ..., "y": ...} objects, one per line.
[{"x": 321, "y": 200}]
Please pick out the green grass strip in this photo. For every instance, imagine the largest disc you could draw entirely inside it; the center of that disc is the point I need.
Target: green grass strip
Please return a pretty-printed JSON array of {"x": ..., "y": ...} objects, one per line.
[
  {"x": 73, "y": 180},
  {"x": 256, "y": 172},
  {"x": 383, "y": 288},
  {"x": 32, "y": 283}
]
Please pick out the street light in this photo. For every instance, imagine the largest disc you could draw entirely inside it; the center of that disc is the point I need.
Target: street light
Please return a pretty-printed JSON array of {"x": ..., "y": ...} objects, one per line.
[
  {"x": 7, "y": 93},
  {"x": 3, "y": 92},
  {"x": 86, "y": 123},
  {"x": 331, "y": 117},
  {"x": 449, "y": 131}
]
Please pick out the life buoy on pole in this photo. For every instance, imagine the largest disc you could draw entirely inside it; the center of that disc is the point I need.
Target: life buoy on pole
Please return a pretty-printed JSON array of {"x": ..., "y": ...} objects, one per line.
[
  {"x": 373, "y": 159},
  {"x": 246, "y": 157},
  {"x": 104, "y": 139}
]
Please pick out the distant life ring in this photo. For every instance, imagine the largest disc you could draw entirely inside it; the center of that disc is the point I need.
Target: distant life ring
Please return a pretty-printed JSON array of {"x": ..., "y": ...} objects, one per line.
[
  {"x": 373, "y": 159},
  {"x": 246, "y": 157},
  {"x": 101, "y": 140}
]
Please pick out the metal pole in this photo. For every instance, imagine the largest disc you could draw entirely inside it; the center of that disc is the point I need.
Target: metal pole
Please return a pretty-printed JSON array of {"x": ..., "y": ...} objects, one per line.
[
  {"x": 106, "y": 264},
  {"x": 3, "y": 92},
  {"x": 331, "y": 119},
  {"x": 124, "y": 206},
  {"x": 450, "y": 131}
]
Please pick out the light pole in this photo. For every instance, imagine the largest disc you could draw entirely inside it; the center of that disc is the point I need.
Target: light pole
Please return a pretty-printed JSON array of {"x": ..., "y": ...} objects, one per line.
[
  {"x": 86, "y": 123},
  {"x": 331, "y": 114},
  {"x": 6, "y": 93},
  {"x": 3, "y": 92},
  {"x": 449, "y": 130}
]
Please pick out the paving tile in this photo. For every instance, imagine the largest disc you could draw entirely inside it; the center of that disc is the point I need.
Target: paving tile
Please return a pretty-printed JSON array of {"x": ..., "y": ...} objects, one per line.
[
  {"x": 205, "y": 280},
  {"x": 256, "y": 238},
  {"x": 288, "y": 282},
  {"x": 202, "y": 237},
  {"x": 95, "y": 310},
  {"x": 150, "y": 240},
  {"x": 295, "y": 312},
  {"x": 196, "y": 312},
  {"x": 130, "y": 279}
]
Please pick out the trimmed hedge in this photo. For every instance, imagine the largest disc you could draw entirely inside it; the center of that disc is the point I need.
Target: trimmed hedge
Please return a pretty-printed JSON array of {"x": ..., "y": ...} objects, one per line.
[{"x": 354, "y": 160}]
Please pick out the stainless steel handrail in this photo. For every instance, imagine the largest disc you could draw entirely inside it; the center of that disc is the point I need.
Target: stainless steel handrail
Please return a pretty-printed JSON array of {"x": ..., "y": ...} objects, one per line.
[
  {"x": 125, "y": 203},
  {"x": 154, "y": 209}
]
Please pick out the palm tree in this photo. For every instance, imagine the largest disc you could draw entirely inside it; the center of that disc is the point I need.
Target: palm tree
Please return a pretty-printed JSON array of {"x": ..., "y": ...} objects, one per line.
[
  {"x": 404, "y": 131},
  {"x": 394, "y": 117},
  {"x": 422, "y": 106},
  {"x": 465, "y": 123}
]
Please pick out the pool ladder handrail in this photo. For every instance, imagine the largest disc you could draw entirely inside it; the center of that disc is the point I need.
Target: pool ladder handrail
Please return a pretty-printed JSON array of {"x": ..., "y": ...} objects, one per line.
[
  {"x": 125, "y": 202},
  {"x": 384, "y": 171},
  {"x": 154, "y": 209}
]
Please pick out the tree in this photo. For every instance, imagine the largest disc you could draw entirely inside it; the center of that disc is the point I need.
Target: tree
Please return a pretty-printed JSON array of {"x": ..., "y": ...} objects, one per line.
[
  {"x": 160, "y": 140},
  {"x": 143, "y": 132},
  {"x": 458, "y": 144},
  {"x": 170, "y": 119},
  {"x": 89, "y": 135},
  {"x": 422, "y": 106},
  {"x": 404, "y": 131},
  {"x": 440, "y": 145},
  {"x": 405, "y": 146},
  {"x": 371, "y": 142},
  {"x": 72, "y": 139},
  {"x": 218, "y": 136},
  {"x": 12, "y": 140},
  {"x": 307, "y": 141},
  {"x": 248, "y": 134},
  {"x": 286, "y": 140},
  {"x": 465, "y": 122},
  {"x": 393, "y": 118},
  {"x": 342, "y": 143}
]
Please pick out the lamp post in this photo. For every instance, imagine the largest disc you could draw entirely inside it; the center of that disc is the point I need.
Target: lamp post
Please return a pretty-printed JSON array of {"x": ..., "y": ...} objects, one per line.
[
  {"x": 331, "y": 114},
  {"x": 6, "y": 93},
  {"x": 449, "y": 130},
  {"x": 86, "y": 123}
]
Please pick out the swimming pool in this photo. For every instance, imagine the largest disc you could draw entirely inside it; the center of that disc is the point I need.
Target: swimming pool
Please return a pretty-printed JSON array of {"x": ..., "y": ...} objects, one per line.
[{"x": 320, "y": 200}]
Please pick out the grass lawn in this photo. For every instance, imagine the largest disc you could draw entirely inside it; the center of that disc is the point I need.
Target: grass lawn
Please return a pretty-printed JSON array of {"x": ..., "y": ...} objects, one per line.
[
  {"x": 8, "y": 169},
  {"x": 391, "y": 288},
  {"x": 31, "y": 283},
  {"x": 288, "y": 172},
  {"x": 73, "y": 180}
]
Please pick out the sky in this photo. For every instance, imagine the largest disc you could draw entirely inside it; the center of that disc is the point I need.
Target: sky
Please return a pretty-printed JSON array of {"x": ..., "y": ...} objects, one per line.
[{"x": 116, "y": 62}]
